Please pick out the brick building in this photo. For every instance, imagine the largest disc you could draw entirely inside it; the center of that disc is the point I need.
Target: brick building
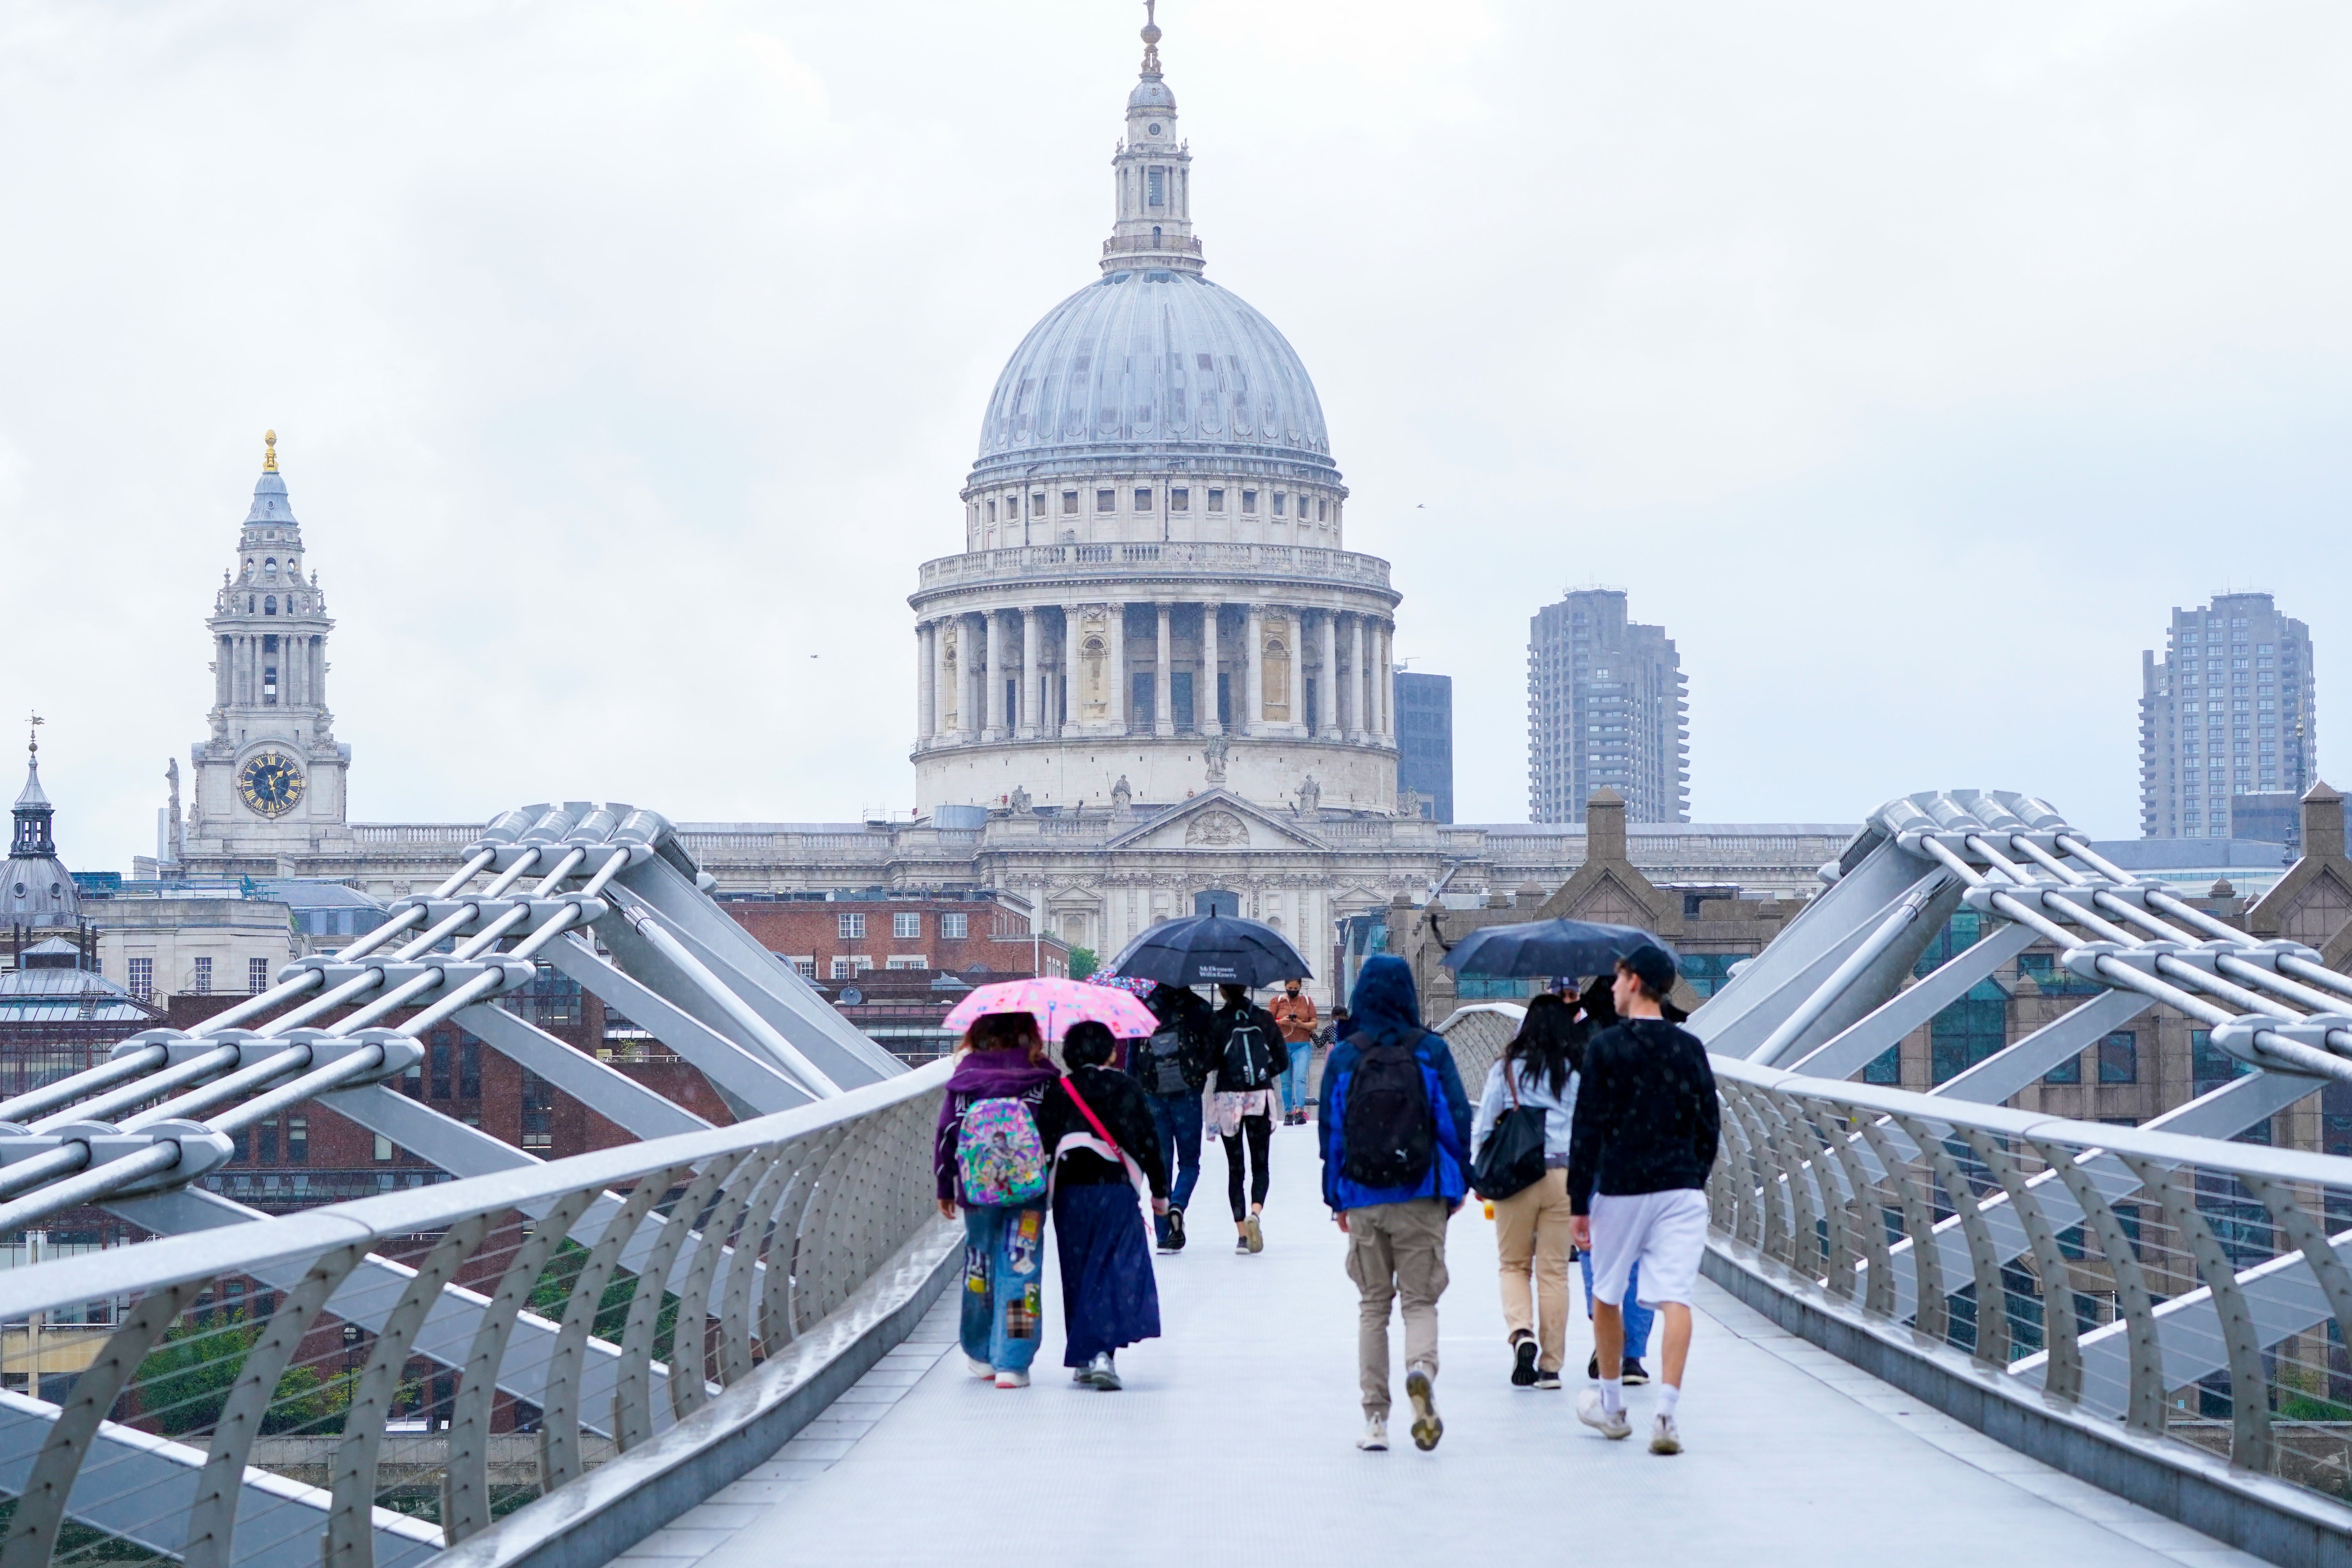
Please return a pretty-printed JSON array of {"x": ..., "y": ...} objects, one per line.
[{"x": 832, "y": 937}]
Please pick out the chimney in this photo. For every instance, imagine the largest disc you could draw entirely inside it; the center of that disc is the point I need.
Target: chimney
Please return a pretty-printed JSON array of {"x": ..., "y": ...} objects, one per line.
[
  {"x": 1604, "y": 827},
  {"x": 2323, "y": 821}
]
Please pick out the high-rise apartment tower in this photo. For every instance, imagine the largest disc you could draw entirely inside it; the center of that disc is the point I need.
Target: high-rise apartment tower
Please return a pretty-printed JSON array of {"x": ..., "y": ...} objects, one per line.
[
  {"x": 2227, "y": 711},
  {"x": 1606, "y": 705}
]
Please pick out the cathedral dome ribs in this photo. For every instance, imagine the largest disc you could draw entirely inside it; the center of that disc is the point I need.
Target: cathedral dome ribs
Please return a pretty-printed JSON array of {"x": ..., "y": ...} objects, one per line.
[{"x": 1154, "y": 589}]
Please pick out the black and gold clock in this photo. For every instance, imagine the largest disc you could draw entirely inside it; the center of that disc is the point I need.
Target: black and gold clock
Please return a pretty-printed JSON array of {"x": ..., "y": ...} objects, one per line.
[{"x": 270, "y": 783}]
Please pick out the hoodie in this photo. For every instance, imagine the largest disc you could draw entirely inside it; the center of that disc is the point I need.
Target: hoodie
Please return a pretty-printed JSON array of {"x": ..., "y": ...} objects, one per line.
[
  {"x": 1384, "y": 1010},
  {"x": 981, "y": 1074}
]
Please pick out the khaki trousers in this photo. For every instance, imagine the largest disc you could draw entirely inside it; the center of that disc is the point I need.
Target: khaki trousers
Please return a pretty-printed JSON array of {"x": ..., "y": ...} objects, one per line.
[
  {"x": 1396, "y": 1251},
  {"x": 1531, "y": 1236}
]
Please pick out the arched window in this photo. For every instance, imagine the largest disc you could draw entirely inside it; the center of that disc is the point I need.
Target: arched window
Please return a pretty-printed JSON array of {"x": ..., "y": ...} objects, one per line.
[
  {"x": 269, "y": 604},
  {"x": 248, "y": 603},
  {"x": 269, "y": 569}
]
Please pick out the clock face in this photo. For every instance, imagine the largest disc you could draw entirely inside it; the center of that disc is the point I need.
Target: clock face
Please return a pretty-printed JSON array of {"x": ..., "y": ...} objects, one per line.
[
  {"x": 270, "y": 783},
  {"x": 1153, "y": 129}
]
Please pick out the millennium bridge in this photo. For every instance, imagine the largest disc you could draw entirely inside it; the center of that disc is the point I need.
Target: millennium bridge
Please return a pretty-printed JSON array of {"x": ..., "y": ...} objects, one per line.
[{"x": 1931, "y": 1329}]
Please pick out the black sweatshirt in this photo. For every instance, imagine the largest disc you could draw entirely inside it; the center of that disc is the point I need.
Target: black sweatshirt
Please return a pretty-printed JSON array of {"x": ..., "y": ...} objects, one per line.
[
  {"x": 1117, "y": 1100},
  {"x": 1646, "y": 1116}
]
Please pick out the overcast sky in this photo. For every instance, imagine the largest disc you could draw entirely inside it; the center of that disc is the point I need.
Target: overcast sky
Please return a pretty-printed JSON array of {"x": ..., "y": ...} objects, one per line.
[{"x": 1905, "y": 363}]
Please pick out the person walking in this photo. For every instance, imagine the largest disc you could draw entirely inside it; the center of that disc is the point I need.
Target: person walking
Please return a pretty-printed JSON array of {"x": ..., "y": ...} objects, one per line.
[
  {"x": 1106, "y": 1166},
  {"x": 1294, "y": 1011},
  {"x": 1596, "y": 1010},
  {"x": 1644, "y": 1136},
  {"x": 989, "y": 1158},
  {"x": 1250, "y": 1059},
  {"x": 1394, "y": 1131},
  {"x": 1537, "y": 1072},
  {"x": 1172, "y": 1065}
]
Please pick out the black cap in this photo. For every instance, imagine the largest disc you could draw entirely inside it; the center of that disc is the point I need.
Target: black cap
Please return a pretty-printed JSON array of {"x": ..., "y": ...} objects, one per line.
[{"x": 1652, "y": 967}]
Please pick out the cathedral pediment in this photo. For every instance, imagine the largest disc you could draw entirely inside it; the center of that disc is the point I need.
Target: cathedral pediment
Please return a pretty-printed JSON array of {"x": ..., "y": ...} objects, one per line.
[{"x": 1219, "y": 820}]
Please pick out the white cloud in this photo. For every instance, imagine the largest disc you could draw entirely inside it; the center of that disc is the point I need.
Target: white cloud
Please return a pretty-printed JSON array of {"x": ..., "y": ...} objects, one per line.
[{"x": 1908, "y": 364}]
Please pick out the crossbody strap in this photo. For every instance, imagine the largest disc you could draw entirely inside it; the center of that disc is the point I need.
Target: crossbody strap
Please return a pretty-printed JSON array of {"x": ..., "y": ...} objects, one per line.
[{"x": 1092, "y": 1119}]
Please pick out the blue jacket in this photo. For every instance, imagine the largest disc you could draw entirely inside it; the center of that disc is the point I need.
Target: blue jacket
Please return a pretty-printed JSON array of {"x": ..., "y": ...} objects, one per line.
[{"x": 1384, "y": 1011}]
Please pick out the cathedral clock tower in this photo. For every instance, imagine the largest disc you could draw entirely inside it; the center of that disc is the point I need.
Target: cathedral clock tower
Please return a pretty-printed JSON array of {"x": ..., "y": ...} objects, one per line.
[{"x": 269, "y": 778}]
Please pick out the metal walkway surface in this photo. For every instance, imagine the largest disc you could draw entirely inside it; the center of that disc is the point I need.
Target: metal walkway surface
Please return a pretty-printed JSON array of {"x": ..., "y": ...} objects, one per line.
[{"x": 1236, "y": 1431}]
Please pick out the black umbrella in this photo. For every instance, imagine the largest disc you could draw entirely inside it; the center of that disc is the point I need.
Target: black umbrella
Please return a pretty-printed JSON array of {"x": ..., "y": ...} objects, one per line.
[
  {"x": 1565, "y": 948},
  {"x": 1210, "y": 950}
]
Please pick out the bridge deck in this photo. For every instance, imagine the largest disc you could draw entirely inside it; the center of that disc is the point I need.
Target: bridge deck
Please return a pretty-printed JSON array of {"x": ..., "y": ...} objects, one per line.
[{"x": 1238, "y": 1427}]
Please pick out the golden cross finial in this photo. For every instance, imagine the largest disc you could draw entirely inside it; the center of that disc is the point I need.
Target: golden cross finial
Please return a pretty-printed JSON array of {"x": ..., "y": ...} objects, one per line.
[
  {"x": 269, "y": 451},
  {"x": 33, "y": 741}
]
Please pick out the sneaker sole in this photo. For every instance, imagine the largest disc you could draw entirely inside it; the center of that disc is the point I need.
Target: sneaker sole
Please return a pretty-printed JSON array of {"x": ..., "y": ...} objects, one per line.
[
  {"x": 1255, "y": 1236},
  {"x": 1665, "y": 1446},
  {"x": 1614, "y": 1433},
  {"x": 1523, "y": 1365},
  {"x": 1426, "y": 1427}
]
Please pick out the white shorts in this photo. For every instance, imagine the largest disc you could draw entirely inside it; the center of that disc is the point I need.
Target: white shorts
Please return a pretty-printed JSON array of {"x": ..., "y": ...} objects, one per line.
[{"x": 1663, "y": 1232}]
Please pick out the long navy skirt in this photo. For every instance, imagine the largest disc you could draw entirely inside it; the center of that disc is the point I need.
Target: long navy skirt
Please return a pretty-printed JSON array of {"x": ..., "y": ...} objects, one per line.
[{"x": 1109, "y": 1297}]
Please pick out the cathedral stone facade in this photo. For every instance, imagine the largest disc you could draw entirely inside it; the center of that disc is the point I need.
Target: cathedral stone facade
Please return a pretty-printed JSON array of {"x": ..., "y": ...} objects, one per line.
[{"x": 1155, "y": 679}]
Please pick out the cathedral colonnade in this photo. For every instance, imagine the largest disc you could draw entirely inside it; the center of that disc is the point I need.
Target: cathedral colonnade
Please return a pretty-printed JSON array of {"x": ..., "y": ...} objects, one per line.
[{"x": 1245, "y": 664}]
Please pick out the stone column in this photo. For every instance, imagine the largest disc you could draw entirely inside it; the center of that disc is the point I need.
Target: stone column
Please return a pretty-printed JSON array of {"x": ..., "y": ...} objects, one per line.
[
  {"x": 1118, "y": 671},
  {"x": 997, "y": 728},
  {"x": 1254, "y": 700},
  {"x": 1384, "y": 678},
  {"x": 1163, "y": 684},
  {"x": 1032, "y": 685},
  {"x": 1355, "y": 708},
  {"x": 1297, "y": 670},
  {"x": 1207, "y": 717},
  {"x": 973, "y": 707},
  {"x": 319, "y": 675},
  {"x": 1326, "y": 717},
  {"x": 926, "y": 690}
]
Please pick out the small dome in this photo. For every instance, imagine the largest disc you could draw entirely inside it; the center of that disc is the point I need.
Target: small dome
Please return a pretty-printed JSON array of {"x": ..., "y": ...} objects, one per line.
[
  {"x": 1153, "y": 93},
  {"x": 1145, "y": 362},
  {"x": 269, "y": 502}
]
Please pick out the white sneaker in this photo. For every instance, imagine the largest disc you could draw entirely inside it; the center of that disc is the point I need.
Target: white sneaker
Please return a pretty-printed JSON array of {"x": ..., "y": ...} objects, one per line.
[
  {"x": 1426, "y": 1427},
  {"x": 1666, "y": 1437},
  {"x": 979, "y": 1368},
  {"x": 1011, "y": 1380},
  {"x": 1610, "y": 1423},
  {"x": 1374, "y": 1438}
]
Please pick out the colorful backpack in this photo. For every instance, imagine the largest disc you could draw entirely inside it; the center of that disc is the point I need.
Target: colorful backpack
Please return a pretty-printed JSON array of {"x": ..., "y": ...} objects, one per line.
[{"x": 1000, "y": 1159}]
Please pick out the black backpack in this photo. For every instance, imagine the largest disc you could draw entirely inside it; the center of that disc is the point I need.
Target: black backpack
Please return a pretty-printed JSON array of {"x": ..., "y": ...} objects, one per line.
[
  {"x": 1248, "y": 1059},
  {"x": 1163, "y": 1065},
  {"x": 1390, "y": 1129}
]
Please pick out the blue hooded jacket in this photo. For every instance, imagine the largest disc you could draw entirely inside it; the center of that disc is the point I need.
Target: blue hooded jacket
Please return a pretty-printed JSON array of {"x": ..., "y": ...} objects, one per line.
[{"x": 1385, "y": 1011}]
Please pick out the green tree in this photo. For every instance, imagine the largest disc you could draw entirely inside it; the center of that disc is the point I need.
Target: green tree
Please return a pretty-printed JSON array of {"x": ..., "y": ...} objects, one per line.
[
  {"x": 184, "y": 1382},
  {"x": 1083, "y": 963}
]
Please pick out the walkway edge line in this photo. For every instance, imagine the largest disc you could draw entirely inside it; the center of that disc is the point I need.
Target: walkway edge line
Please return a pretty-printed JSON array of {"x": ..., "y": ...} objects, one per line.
[
  {"x": 2268, "y": 1518},
  {"x": 595, "y": 1519}
]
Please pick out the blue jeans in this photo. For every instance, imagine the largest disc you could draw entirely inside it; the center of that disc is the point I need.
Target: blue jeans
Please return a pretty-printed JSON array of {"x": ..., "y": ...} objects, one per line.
[
  {"x": 1294, "y": 1082},
  {"x": 1003, "y": 1273},
  {"x": 1176, "y": 1118},
  {"x": 1637, "y": 1317}
]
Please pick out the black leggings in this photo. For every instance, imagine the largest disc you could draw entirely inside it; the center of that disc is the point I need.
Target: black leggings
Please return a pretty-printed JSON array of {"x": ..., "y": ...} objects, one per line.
[{"x": 1259, "y": 1129}]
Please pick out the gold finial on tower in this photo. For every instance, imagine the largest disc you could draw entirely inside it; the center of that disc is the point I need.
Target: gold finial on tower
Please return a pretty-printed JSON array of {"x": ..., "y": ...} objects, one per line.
[
  {"x": 269, "y": 451},
  {"x": 1150, "y": 37}
]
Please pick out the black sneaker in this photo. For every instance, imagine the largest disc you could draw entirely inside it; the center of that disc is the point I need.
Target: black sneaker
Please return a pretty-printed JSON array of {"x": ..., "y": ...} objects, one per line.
[
  {"x": 1593, "y": 1367},
  {"x": 1523, "y": 1365},
  {"x": 1175, "y": 1230},
  {"x": 1635, "y": 1374}
]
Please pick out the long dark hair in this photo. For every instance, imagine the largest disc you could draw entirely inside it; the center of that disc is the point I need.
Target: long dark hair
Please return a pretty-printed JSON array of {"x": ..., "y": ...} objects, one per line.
[
  {"x": 1007, "y": 1032},
  {"x": 1547, "y": 1045}
]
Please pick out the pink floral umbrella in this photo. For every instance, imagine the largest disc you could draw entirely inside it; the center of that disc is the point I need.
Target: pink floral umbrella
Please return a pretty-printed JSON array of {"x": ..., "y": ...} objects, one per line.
[{"x": 1057, "y": 1005}]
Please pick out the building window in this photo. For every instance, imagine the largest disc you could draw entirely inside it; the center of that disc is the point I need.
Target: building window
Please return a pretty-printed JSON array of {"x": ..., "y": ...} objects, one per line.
[
  {"x": 270, "y": 603},
  {"x": 538, "y": 1113},
  {"x": 1179, "y": 500},
  {"x": 905, "y": 927},
  {"x": 204, "y": 977},
  {"x": 2068, "y": 1072},
  {"x": 1106, "y": 500},
  {"x": 1156, "y": 188},
  {"x": 469, "y": 1068},
  {"x": 143, "y": 978},
  {"x": 2210, "y": 1067},
  {"x": 257, "y": 975},
  {"x": 1069, "y": 503},
  {"x": 992, "y": 509},
  {"x": 805, "y": 963},
  {"x": 2119, "y": 1057},
  {"x": 1278, "y": 498},
  {"x": 438, "y": 1052},
  {"x": 297, "y": 1139},
  {"x": 1142, "y": 499},
  {"x": 955, "y": 926},
  {"x": 1216, "y": 500},
  {"x": 908, "y": 961},
  {"x": 849, "y": 928},
  {"x": 265, "y": 1142},
  {"x": 1886, "y": 1068},
  {"x": 1322, "y": 509},
  {"x": 850, "y": 966},
  {"x": 269, "y": 685},
  {"x": 1249, "y": 503},
  {"x": 383, "y": 1150}
]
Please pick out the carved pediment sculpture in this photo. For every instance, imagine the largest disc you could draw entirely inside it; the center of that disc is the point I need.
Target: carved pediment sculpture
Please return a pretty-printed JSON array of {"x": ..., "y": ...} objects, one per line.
[{"x": 1216, "y": 829}]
